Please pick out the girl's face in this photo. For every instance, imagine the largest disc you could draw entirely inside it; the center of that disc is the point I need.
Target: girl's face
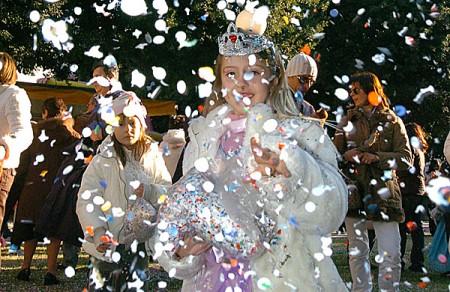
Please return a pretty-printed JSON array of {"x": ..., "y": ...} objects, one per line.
[
  {"x": 360, "y": 98},
  {"x": 244, "y": 85},
  {"x": 128, "y": 131}
]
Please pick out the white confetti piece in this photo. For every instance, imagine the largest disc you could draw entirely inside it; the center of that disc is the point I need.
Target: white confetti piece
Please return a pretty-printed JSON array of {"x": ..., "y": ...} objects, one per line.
[
  {"x": 69, "y": 271},
  {"x": 172, "y": 272},
  {"x": 270, "y": 125},
  {"x": 159, "y": 39},
  {"x": 94, "y": 52},
  {"x": 137, "y": 78},
  {"x": 341, "y": 93},
  {"x": 43, "y": 137},
  {"x": 159, "y": 72},
  {"x": 319, "y": 256},
  {"x": 161, "y": 25},
  {"x": 35, "y": 16},
  {"x": 68, "y": 169},
  {"x": 133, "y": 7},
  {"x": 39, "y": 158},
  {"x": 181, "y": 87},
  {"x": 201, "y": 164},
  {"x": 86, "y": 195},
  {"x": 98, "y": 200},
  {"x": 208, "y": 186},
  {"x": 310, "y": 207}
]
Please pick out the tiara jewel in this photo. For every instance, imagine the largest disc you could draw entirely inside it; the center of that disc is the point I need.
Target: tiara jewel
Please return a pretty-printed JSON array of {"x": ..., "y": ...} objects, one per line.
[{"x": 236, "y": 43}]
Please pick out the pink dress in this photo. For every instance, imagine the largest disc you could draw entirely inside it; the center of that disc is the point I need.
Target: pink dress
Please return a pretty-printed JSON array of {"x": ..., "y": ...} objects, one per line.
[{"x": 222, "y": 271}]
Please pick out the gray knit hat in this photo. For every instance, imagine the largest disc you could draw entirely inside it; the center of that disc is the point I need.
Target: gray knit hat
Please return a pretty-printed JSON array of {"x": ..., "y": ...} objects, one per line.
[{"x": 302, "y": 64}]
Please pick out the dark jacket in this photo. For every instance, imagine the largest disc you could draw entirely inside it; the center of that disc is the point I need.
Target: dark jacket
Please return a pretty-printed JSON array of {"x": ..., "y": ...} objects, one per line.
[
  {"x": 43, "y": 158},
  {"x": 58, "y": 218},
  {"x": 383, "y": 134},
  {"x": 412, "y": 181}
]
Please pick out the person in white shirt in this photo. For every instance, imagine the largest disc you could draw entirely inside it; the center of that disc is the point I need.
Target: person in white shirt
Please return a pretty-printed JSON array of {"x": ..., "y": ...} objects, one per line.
[{"x": 16, "y": 133}]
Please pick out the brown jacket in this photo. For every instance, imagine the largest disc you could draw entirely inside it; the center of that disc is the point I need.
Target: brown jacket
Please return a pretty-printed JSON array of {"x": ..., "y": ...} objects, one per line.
[
  {"x": 43, "y": 157},
  {"x": 383, "y": 134}
]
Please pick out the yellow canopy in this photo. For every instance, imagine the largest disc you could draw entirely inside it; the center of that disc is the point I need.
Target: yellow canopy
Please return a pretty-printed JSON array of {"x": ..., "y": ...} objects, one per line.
[{"x": 77, "y": 93}]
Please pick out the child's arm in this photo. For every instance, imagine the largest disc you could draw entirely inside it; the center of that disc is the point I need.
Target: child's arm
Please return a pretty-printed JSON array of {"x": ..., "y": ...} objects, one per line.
[
  {"x": 315, "y": 195},
  {"x": 89, "y": 213},
  {"x": 156, "y": 169}
]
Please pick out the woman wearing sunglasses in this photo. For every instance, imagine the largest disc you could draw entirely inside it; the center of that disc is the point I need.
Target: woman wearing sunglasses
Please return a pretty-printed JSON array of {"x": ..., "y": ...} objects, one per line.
[{"x": 374, "y": 145}]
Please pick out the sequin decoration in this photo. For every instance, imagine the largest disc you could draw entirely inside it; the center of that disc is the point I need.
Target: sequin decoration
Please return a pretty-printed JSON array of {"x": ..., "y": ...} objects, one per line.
[{"x": 220, "y": 215}]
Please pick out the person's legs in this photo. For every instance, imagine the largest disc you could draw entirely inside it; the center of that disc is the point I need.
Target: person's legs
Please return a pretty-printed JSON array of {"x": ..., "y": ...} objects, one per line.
[
  {"x": 403, "y": 240},
  {"x": 408, "y": 207},
  {"x": 70, "y": 255},
  {"x": 11, "y": 201},
  {"x": 417, "y": 237},
  {"x": 389, "y": 272},
  {"x": 358, "y": 244},
  {"x": 7, "y": 178},
  {"x": 52, "y": 255},
  {"x": 28, "y": 252},
  {"x": 103, "y": 276}
]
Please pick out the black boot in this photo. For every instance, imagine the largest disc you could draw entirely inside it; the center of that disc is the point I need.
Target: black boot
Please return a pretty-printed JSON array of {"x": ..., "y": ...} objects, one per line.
[
  {"x": 50, "y": 279},
  {"x": 24, "y": 274}
]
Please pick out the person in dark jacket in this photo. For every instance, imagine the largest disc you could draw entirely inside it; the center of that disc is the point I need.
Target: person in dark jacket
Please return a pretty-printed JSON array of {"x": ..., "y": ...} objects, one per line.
[
  {"x": 54, "y": 133},
  {"x": 412, "y": 186},
  {"x": 374, "y": 146},
  {"x": 83, "y": 120}
]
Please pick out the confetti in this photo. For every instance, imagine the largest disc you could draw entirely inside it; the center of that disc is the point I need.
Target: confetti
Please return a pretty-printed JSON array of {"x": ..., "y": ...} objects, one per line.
[
  {"x": 374, "y": 98},
  {"x": 90, "y": 230},
  {"x": 69, "y": 272},
  {"x": 106, "y": 206},
  {"x": 35, "y": 16}
]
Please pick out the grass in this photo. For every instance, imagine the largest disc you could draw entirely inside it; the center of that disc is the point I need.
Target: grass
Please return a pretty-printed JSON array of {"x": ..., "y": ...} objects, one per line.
[
  {"x": 11, "y": 265},
  {"x": 410, "y": 281}
]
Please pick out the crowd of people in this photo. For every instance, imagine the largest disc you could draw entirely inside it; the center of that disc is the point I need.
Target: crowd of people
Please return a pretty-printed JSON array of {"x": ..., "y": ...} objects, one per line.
[{"x": 245, "y": 197}]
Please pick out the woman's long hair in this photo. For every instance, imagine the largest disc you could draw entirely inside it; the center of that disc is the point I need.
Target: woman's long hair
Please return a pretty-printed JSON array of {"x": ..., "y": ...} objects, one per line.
[
  {"x": 369, "y": 82},
  {"x": 415, "y": 130},
  {"x": 140, "y": 148},
  {"x": 8, "y": 70}
]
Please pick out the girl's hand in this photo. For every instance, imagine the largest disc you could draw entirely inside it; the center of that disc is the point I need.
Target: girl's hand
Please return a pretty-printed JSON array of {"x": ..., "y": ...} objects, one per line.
[
  {"x": 351, "y": 154},
  {"x": 193, "y": 245},
  {"x": 269, "y": 162},
  {"x": 139, "y": 191},
  {"x": 368, "y": 158},
  {"x": 103, "y": 247}
]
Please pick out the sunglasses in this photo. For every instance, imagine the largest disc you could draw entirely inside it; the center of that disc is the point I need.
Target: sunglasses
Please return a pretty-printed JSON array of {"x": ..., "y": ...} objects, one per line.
[
  {"x": 303, "y": 79},
  {"x": 355, "y": 90}
]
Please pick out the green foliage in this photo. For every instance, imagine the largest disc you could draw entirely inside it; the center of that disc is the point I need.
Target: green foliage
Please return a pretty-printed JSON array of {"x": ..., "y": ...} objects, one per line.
[
  {"x": 336, "y": 42},
  {"x": 379, "y": 31},
  {"x": 115, "y": 33}
]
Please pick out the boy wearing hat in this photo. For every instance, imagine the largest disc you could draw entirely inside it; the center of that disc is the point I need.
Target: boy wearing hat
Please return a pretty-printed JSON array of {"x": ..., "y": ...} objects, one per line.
[{"x": 301, "y": 73}]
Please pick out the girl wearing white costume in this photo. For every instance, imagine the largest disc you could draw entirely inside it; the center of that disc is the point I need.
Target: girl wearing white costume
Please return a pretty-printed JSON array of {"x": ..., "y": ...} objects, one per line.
[
  {"x": 117, "y": 200},
  {"x": 260, "y": 212}
]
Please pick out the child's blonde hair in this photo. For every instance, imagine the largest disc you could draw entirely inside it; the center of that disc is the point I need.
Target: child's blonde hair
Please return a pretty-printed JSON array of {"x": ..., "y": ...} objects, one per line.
[{"x": 280, "y": 97}]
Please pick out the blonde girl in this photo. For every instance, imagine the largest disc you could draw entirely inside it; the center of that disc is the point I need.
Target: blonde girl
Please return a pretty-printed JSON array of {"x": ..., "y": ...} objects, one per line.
[{"x": 280, "y": 178}]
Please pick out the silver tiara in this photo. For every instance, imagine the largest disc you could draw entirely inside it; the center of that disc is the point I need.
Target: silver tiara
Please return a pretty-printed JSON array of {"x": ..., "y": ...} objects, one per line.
[{"x": 236, "y": 43}]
